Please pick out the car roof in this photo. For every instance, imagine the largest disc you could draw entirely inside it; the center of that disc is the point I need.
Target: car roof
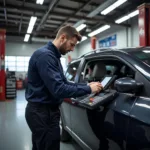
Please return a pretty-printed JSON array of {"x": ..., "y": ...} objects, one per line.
[{"x": 110, "y": 50}]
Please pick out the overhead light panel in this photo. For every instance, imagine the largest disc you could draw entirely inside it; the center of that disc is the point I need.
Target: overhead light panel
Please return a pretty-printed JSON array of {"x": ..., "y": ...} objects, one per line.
[
  {"x": 112, "y": 7},
  {"x": 127, "y": 17},
  {"x": 99, "y": 30},
  {"x": 83, "y": 38},
  {"x": 31, "y": 24},
  {"x": 27, "y": 36},
  {"x": 80, "y": 27},
  {"x": 30, "y": 28},
  {"x": 135, "y": 13},
  {"x": 40, "y": 2},
  {"x": 32, "y": 21}
]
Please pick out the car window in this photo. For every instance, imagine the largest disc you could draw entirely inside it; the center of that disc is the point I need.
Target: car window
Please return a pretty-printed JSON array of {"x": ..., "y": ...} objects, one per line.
[
  {"x": 143, "y": 55},
  {"x": 98, "y": 69},
  {"x": 95, "y": 71},
  {"x": 72, "y": 70}
]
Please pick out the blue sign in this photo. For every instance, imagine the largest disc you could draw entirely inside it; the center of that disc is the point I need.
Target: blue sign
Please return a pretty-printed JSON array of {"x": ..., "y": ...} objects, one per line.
[{"x": 108, "y": 42}]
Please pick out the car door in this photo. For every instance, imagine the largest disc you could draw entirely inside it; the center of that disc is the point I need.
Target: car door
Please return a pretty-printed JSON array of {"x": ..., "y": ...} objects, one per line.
[
  {"x": 65, "y": 107},
  {"x": 105, "y": 127},
  {"x": 139, "y": 125}
]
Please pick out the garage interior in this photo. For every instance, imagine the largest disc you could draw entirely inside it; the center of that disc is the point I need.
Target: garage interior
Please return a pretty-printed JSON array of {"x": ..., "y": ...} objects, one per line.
[{"x": 26, "y": 25}]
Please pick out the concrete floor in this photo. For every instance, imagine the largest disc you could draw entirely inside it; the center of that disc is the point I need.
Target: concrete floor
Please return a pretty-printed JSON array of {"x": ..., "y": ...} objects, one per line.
[{"x": 14, "y": 132}]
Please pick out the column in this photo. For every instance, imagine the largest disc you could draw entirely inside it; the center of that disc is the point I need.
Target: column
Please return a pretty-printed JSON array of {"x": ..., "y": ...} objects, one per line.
[
  {"x": 2, "y": 64},
  {"x": 144, "y": 24}
]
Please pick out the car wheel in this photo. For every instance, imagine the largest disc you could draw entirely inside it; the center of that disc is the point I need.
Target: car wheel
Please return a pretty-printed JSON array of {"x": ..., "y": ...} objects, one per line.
[{"x": 64, "y": 135}]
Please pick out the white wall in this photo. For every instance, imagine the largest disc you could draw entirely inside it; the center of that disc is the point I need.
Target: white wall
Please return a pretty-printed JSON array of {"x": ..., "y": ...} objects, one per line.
[
  {"x": 25, "y": 49},
  {"x": 20, "y": 49},
  {"x": 135, "y": 32},
  {"x": 126, "y": 37}
]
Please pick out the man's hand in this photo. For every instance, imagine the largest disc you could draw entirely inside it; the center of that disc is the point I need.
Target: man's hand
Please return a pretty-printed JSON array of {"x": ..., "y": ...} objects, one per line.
[{"x": 96, "y": 87}]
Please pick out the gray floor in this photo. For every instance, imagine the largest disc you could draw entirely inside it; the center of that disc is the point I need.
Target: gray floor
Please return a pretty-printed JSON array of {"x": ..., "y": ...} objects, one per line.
[{"x": 14, "y": 132}]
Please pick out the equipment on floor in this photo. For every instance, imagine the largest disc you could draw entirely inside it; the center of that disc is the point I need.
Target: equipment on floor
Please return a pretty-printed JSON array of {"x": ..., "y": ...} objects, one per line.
[{"x": 10, "y": 85}]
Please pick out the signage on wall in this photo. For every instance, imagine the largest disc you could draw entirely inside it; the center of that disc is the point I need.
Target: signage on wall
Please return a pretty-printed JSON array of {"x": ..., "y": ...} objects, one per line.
[{"x": 109, "y": 41}]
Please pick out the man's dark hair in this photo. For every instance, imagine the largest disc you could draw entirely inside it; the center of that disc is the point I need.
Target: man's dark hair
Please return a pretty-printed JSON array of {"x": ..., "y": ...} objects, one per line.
[{"x": 70, "y": 32}]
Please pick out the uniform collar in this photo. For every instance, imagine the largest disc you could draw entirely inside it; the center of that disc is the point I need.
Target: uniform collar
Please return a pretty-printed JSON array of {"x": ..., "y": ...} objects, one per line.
[{"x": 54, "y": 49}]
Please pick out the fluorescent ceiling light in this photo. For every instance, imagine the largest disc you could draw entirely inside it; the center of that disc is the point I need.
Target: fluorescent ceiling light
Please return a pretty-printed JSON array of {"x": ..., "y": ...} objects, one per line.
[
  {"x": 83, "y": 38},
  {"x": 133, "y": 13},
  {"x": 27, "y": 36},
  {"x": 99, "y": 30},
  {"x": 30, "y": 28},
  {"x": 80, "y": 27},
  {"x": 31, "y": 24},
  {"x": 122, "y": 19},
  {"x": 112, "y": 7},
  {"x": 40, "y": 2},
  {"x": 32, "y": 21},
  {"x": 127, "y": 17}
]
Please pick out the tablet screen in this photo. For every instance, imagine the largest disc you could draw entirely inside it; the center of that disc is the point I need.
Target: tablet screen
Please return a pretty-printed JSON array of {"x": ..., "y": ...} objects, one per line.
[{"x": 105, "y": 81}]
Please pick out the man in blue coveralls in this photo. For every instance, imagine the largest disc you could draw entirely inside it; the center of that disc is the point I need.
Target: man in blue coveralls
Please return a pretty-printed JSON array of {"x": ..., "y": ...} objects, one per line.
[{"x": 47, "y": 86}]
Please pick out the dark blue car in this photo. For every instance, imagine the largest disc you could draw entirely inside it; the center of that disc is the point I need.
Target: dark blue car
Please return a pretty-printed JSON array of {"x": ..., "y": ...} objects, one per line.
[{"x": 117, "y": 118}]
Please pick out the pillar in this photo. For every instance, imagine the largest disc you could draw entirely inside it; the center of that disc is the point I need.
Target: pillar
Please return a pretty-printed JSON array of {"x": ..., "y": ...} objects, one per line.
[
  {"x": 144, "y": 24},
  {"x": 2, "y": 64}
]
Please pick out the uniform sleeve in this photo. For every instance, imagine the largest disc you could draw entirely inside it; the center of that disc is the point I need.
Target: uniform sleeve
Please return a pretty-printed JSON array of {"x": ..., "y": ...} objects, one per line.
[
  {"x": 50, "y": 74},
  {"x": 71, "y": 83}
]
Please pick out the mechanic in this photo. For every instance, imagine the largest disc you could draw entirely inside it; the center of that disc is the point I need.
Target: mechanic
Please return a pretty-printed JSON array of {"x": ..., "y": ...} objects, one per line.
[{"x": 47, "y": 87}]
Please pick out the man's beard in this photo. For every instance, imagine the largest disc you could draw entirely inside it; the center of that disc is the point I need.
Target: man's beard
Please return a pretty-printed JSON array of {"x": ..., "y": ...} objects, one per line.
[{"x": 62, "y": 49}]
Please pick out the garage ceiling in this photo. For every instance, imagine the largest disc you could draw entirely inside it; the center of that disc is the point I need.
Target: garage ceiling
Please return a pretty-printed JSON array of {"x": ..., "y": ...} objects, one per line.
[{"x": 15, "y": 15}]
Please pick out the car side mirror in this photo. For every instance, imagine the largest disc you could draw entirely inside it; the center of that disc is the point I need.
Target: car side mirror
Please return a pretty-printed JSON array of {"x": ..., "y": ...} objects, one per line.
[{"x": 127, "y": 85}]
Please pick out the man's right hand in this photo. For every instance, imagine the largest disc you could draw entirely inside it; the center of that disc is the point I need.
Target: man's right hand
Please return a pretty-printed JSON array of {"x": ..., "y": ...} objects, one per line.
[{"x": 96, "y": 87}]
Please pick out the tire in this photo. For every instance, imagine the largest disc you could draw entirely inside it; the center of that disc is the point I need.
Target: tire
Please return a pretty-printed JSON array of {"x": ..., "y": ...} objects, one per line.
[{"x": 64, "y": 135}]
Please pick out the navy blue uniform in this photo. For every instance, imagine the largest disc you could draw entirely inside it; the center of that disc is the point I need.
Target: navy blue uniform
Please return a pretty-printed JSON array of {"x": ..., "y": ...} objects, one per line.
[{"x": 47, "y": 86}]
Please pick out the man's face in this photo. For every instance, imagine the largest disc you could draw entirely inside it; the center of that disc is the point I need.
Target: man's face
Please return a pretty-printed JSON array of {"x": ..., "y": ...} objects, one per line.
[{"x": 67, "y": 45}]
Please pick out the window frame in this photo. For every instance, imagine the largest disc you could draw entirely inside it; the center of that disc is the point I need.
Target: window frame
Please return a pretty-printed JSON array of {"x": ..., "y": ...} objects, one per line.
[
  {"x": 69, "y": 66},
  {"x": 102, "y": 58}
]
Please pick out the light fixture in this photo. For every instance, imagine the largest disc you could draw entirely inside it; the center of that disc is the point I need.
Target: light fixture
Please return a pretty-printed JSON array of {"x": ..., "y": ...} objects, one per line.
[
  {"x": 83, "y": 39},
  {"x": 127, "y": 17},
  {"x": 122, "y": 19},
  {"x": 27, "y": 36},
  {"x": 112, "y": 7},
  {"x": 80, "y": 27},
  {"x": 32, "y": 20},
  {"x": 133, "y": 13},
  {"x": 99, "y": 30},
  {"x": 40, "y": 2},
  {"x": 30, "y": 28}
]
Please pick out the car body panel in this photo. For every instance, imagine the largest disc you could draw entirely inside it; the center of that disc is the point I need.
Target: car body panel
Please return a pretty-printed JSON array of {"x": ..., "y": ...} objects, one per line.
[
  {"x": 119, "y": 124},
  {"x": 139, "y": 126}
]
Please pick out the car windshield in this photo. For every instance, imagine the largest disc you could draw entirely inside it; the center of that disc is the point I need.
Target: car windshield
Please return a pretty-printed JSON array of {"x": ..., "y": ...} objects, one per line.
[{"x": 143, "y": 55}]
